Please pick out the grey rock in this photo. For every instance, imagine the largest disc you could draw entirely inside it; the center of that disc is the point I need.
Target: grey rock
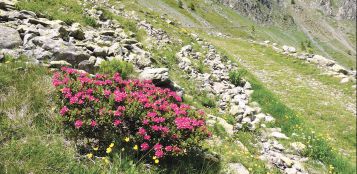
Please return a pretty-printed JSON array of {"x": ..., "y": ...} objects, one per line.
[
  {"x": 298, "y": 147},
  {"x": 339, "y": 69},
  {"x": 9, "y": 38},
  {"x": 227, "y": 127},
  {"x": 157, "y": 75},
  {"x": 76, "y": 31},
  {"x": 40, "y": 21},
  {"x": 87, "y": 66},
  {"x": 59, "y": 64},
  {"x": 237, "y": 168},
  {"x": 279, "y": 135},
  {"x": 289, "y": 49},
  {"x": 100, "y": 51},
  {"x": 320, "y": 60}
]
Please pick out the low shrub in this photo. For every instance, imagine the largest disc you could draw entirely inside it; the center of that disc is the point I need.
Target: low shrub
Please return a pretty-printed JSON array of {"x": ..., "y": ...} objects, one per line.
[
  {"x": 108, "y": 114},
  {"x": 236, "y": 77},
  {"x": 125, "y": 69}
]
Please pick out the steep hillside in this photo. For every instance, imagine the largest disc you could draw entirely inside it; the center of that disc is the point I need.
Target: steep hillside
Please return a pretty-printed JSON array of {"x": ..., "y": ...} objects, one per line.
[
  {"x": 329, "y": 25},
  {"x": 261, "y": 71}
]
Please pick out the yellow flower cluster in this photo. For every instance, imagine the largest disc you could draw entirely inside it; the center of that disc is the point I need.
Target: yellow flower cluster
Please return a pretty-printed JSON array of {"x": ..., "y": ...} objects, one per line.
[
  {"x": 109, "y": 149},
  {"x": 156, "y": 161}
]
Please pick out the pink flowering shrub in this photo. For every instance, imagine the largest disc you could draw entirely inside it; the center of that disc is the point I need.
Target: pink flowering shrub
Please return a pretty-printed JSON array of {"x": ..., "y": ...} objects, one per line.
[{"x": 134, "y": 115}]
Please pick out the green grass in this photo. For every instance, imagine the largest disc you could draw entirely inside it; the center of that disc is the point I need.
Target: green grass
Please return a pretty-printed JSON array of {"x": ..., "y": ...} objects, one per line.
[
  {"x": 292, "y": 121},
  {"x": 125, "y": 69},
  {"x": 68, "y": 11}
]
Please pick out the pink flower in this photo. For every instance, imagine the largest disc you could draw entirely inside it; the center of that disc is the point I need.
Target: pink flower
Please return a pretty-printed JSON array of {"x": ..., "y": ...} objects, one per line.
[
  {"x": 176, "y": 149},
  {"x": 165, "y": 129},
  {"x": 168, "y": 148},
  {"x": 183, "y": 123},
  {"x": 159, "y": 153},
  {"x": 144, "y": 146},
  {"x": 147, "y": 137},
  {"x": 116, "y": 122},
  {"x": 117, "y": 113},
  {"x": 157, "y": 146},
  {"x": 107, "y": 93},
  {"x": 78, "y": 124},
  {"x": 64, "y": 110},
  {"x": 152, "y": 114},
  {"x": 155, "y": 128},
  {"x": 145, "y": 122},
  {"x": 142, "y": 131},
  {"x": 158, "y": 119},
  {"x": 119, "y": 96},
  {"x": 93, "y": 123}
]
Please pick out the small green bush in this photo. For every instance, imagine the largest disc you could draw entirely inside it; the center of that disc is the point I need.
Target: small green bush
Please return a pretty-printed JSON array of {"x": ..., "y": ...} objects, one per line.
[
  {"x": 125, "y": 69},
  {"x": 236, "y": 77},
  {"x": 90, "y": 21},
  {"x": 207, "y": 102}
]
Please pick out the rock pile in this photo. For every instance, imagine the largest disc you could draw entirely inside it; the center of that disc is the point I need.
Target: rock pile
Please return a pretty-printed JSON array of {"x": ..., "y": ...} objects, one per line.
[
  {"x": 25, "y": 33},
  {"x": 331, "y": 67},
  {"x": 159, "y": 35}
]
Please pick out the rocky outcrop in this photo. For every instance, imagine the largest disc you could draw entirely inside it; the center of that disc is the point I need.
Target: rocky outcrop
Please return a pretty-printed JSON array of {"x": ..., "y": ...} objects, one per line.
[
  {"x": 265, "y": 11},
  {"x": 347, "y": 10},
  {"x": 25, "y": 33}
]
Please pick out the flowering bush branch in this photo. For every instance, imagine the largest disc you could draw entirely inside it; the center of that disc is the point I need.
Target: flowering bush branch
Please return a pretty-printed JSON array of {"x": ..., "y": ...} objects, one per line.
[{"x": 116, "y": 114}]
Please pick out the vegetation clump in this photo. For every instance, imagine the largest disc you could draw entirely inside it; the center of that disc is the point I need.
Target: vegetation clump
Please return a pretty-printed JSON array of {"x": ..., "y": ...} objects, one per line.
[
  {"x": 109, "y": 114},
  {"x": 236, "y": 77},
  {"x": 117, "y": 66}
]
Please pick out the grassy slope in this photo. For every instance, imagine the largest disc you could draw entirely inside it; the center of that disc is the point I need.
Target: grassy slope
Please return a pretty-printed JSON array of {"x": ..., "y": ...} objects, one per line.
[
  {"x": 302, "y": 93},
  {"x": 39, "y": 147},
  {"x": 268, "y": 100},
  {"x": 300, "y": 86}
]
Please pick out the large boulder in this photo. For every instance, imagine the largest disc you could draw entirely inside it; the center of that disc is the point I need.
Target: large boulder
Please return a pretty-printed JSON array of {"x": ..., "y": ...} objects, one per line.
[
  {"x": 9, "y": 38},
  {"x": 61, "y": 50},
  {"x": 237, "y": 168},
  {"x": 159, "y": 76}
]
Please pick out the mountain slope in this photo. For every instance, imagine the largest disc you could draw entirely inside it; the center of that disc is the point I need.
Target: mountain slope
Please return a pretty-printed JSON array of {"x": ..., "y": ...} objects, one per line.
[{"x": 296, "y": 117}]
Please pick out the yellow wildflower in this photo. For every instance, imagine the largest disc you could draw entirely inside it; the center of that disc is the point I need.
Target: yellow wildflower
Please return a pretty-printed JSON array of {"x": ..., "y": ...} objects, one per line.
[
  {"x": 156, "y": 161},
  {"x": 122, "y": 149},
  {"x": 126, "y": 139},
  {"x": 95, "y": 148},
  {"x": 109, "y": 150},
  {"x": 111, "y": 145},
  {"x": 135, "y": 147},
  {"x": 154, "y": 157},
  {"x": 89, "y": 155}
]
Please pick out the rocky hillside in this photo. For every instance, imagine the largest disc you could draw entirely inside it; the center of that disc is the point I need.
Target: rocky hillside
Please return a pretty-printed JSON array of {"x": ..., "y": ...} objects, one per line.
[{"x": 271, "y": 107}]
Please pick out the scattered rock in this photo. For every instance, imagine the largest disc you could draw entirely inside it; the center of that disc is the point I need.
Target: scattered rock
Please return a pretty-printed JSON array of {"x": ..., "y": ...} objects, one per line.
[
  {"x": 159, "y": 76},
  {"x": 59, "y": 64},
  {"x": 211, "y": 120},
  {"x": 9, "y": 38},
  {"x": 237, "y": 168}
]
